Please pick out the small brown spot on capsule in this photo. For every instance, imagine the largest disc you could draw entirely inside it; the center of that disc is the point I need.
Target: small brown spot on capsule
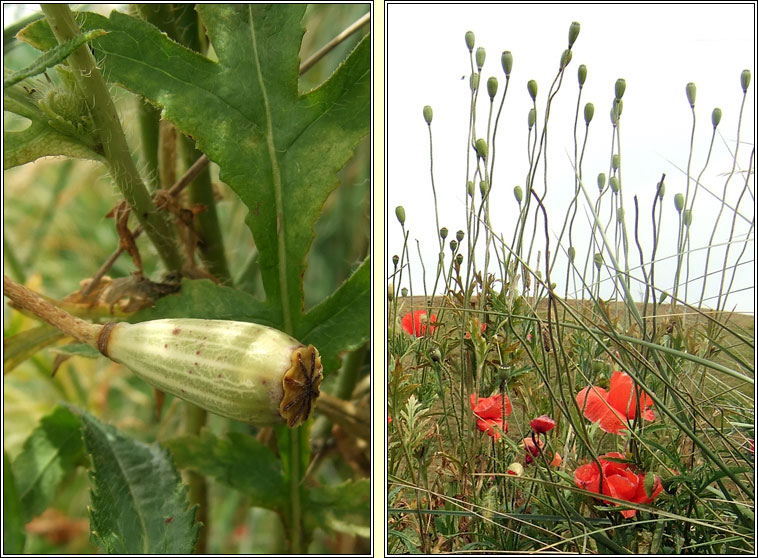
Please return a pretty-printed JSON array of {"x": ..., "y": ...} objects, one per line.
[
  {"x": 197, "y": 353},
  {"x": 176, "y": 331},
  {"x": 165, "y": 346}
]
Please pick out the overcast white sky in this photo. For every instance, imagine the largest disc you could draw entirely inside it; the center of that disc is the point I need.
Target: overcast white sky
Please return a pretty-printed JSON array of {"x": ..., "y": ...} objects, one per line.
[{"x": 657, "y": 49}]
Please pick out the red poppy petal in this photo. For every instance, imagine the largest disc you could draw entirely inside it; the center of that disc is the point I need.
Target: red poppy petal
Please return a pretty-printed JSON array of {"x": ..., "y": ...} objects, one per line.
[
  {"x": 628, "y": 513},
  {"x": 542, "y": 424},
  {"x": 588, "y": 477},
  {"x": 621, "y": 394},
  {"x": 622, "y": 486},
  {"x": 593, "y": 402}
]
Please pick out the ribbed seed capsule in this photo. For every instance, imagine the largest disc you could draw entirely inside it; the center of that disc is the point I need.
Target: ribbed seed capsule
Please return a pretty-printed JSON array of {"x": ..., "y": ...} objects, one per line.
[
  {"x": 506, "y": 59},
  {"x": 573, "y": 32},
  {"x": 565, "y": 58},
  {"x": 492, "y": 87},
  {"x": 240, "y": 370},
  {"x": 470, "y": 40},
  {"x": 481, "y": 55}
]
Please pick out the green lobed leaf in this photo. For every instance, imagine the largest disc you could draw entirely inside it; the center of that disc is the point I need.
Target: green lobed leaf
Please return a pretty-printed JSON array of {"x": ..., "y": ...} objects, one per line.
[
  {"x": 52, "y": 57},
  {"x": 339, "y": 323},
  {"x": 14, "y": 536},
  {"x": 345, "y": 507},
  {"x": 207, "y": 300},
  {"x": 49, "y": 455},
  {"x": 239, "y": 461},
  {"x": 138, "y": 502},
  {"x": 294, "y": 143}
]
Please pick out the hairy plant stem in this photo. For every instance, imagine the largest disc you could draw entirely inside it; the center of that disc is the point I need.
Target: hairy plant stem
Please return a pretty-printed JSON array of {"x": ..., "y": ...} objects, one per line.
[{"x": 116, "y": 151}]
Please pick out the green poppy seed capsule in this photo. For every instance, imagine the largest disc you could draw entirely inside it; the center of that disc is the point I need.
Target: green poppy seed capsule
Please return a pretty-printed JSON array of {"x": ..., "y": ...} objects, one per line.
[
  {"x": 679, "y": 202},
  {"x": 435, "y": 355},
  {"x": 470, "y": 40},
  {"x": 589, "y": 112},
  {"x": 519, "y": 194},
  {"x": 459, "y": 235},
  {"x": 620, "y": 215},
  {"x": 745, "y": 80},
  {"x": 506, "y": 59},
  {"x": 532, "y": 117},
  {"x": 459, "y": 259},
  {"x": 428, "y": 114},
  {"x": 661, "y": 189},
  {"x": 404, "y": 291},
  {"x": 481, "y": 148},
  {"x": 571, "y": 253},
  {"x": 531, "y": 86},
  {"x": 573, "y": 32},
  {"x": 395, "y": 260},
  {"x": 390, "y": 291},
  {"x": 481, "y": 55},
  {"x": 565, "y": 58},
  {"x": 601, "y": 180},
  {"x": 691, "y": 90},
  {"x": 614, "y": 184},
  {"x": 598, "y": 258},
  {"x": 582, "y": 74},
  {"x": 687, "y": 217},
  {"x": 474, "y": 81},
  {"x": 484, "y": 188},
  {"x": 244, "y": 371},
  {"x": 663, "y": 296},
  {"x": 400, "y": 214},
  {"x": 620, "y": 88},
  {"x": 453, "y": 245},
  {"x": 615, "y": 161},
  {"x": 492, "y": 87},
  {"x": 716, "y": 116},
  {"x": 443, "y": 233},
  {"x": 470, "y": 188},
  {"x": 614, "y": 116}
]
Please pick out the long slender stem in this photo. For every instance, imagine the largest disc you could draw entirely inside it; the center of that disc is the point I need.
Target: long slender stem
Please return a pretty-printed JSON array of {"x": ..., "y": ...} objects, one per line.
[{"x": 106, "y": 119}]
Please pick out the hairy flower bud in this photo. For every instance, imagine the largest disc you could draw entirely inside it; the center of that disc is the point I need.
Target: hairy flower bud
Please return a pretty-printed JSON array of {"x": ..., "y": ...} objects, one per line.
[
  {"x": 573, "y": 32},
  {"x": 519, "y": 194},
  {"x": 400, "y": 214},
  {"x": 687, "y": 217},
  {"x": 614, "y": 184},
  {"x": 716, "y": 117},
  {"x": 598, "y": 259},
  {"x": 428, "y": 114},
  {"x": 571, "y": 253},
  {"x": 240, "y": 370},
  {"x": 492, "y": 87},
  {"x": 474, "y": 81},
  {"x": 481, "y": 148},
  {"x": 620, "y": 88},
  {"x": 615, "y": 160},
  {"x": 481, "y": 55},
  {"x": 582, "y": 74},
  {"x": 679, "y": 202},
  {"x": 601, "y": 180},
  {"x": 745, "y": 80},
  {"x": 532, "y": 118},
  {"x": 565, "y": 58},
  {"x": 470, "y": 40},
  {"x": 589, "y": 112},
  {"x": 470, "y": 188},
  {"x": 531, "y": 86},
  {"x": 691, "y": 91}
]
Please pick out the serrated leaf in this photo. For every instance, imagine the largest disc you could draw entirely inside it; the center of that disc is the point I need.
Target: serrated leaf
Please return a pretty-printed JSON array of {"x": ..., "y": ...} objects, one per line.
[
  {"x": 48, "y": 456},
  {"x": 294, "y": 144},
  {"x": 239, "y": 461},
  {"x": 14, "y": 535},
  {"x": 52, "y": 57},
  {"x": 339, "y": 323},
  {"x": 138, "y": 502},
  {"x": 205, "y": 299},
  {"x": 25, "y": 344},
  {"x": 345, "y": 507}
]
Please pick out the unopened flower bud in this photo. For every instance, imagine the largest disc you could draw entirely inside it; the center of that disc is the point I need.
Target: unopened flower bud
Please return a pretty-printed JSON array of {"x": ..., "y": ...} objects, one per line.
[
  {"x": 390, "y": 291},
  {"x": 519, "y": 194},
  {"x": 481, "y": 55},
  {"x": 571, "y": 253},
  {"x": 400, "y": 214},
  {"x": 492, "y": 87},
  {"x": 506, "y": 59},
  {"x": 565, "y": 58},
  {"x": 620, "y": 88},
  {"x": 531, "y": 86},
  {"x": 614, "y": 184},
  {"x": 687, "y": 217},
  {"x": 679, "y": 202},
  {"x": 620, "y": 215},
  {"x": 582, "y": 74},
  {"x": 573, "y": 33},
  {"x": 470, "y": 188},
  {"x": 691, "y": 92},
  {"x": 481, "y": 148},
  {"x": 532, "y": 117},
  {"x": 716, "y": 117},
  {"x": 745, "y": 80},
  {"x": 428, "y": 114},
  {"x": 661, "y": 189},
  {"x": 589, "y": 112},
  {"x": 598, "y": 258},
  {"x": 484, "y": 188},
  {"x": 601, "y": 180},
  {"x": 244, "y": 371},
  {"x": 474, "y": 81},
  {"x": 615, "y": 161}
]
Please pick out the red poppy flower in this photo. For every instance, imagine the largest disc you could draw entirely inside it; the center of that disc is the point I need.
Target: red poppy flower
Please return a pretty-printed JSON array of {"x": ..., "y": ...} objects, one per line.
[
  {"x": 415, "y": 323},
  {"x": 613, "y": 409},
  {"x": 619, "y": 481},
  {"x": 489, "y": 414},
  {"x": 533, "y": 449},
  {"x": 542, "y": 424}
]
